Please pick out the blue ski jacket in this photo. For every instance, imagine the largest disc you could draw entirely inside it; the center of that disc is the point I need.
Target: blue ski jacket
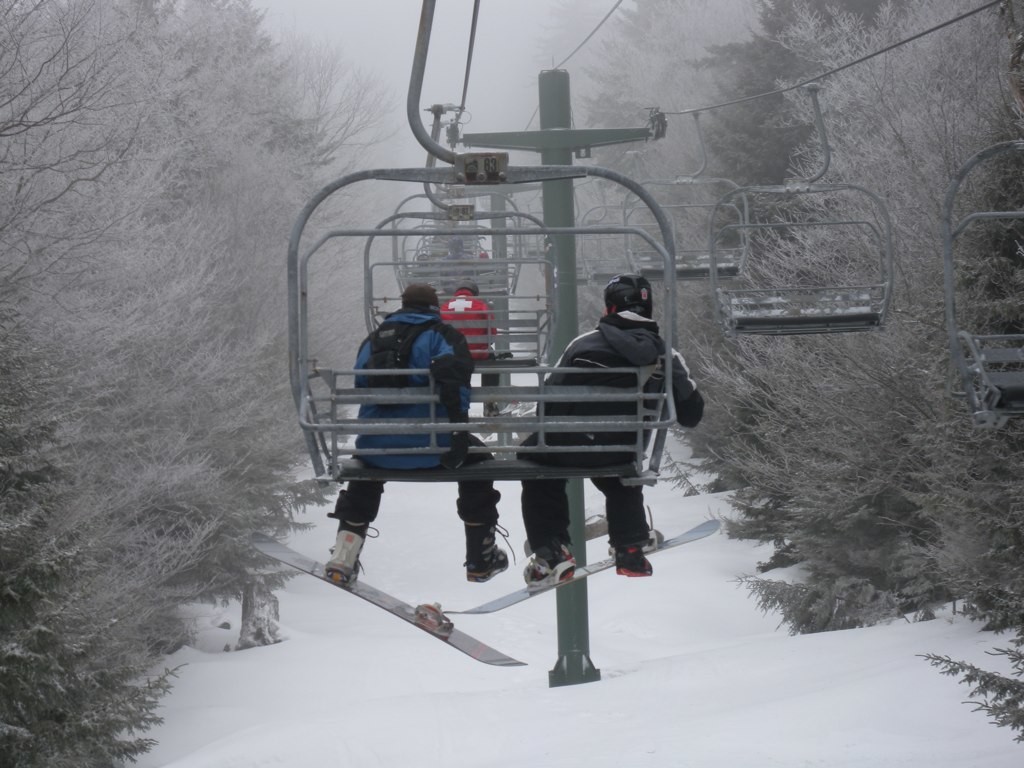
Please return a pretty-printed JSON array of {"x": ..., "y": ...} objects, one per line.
[{"x": 445, "y": 352}]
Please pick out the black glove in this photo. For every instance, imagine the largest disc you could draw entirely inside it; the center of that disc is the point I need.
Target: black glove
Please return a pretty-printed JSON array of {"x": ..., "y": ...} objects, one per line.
[{"x": 456, "y": 455}]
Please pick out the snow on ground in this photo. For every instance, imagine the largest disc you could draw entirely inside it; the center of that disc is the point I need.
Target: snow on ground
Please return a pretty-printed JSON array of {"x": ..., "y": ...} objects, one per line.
[{"x": 692, "y": 673}]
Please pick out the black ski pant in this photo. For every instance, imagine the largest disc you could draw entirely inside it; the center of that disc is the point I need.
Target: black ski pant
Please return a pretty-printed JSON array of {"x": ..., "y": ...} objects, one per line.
[
  {"x": 546, "y": 505},
  {"x": 546, "y": 511}
]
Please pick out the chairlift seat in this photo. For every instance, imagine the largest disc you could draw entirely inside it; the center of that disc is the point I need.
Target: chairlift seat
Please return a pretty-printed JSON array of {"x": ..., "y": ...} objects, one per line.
[
  {"x": 327, "y": 400},
  {"x": 797, "y": 307},
  {"x": 691, "y": 271},
  {"x": 780, "y": 326},
  {"x": 803, "y": 310},
  {"x": 994, "y": 366}
]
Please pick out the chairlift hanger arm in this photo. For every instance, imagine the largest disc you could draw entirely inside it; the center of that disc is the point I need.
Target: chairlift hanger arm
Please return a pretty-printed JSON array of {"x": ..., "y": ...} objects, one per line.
[
  {"x": 819, "y": 125},
  {"x": 419, "y": 66},
  {"x": 437, "y": 110}
]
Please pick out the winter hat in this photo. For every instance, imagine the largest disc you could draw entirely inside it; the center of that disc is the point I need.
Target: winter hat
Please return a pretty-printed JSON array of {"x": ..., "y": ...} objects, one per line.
[{"x": 420, "y": 295}]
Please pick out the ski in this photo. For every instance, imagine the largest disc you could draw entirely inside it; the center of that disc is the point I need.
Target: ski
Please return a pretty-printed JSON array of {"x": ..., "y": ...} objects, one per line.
[
  {"x": 699, "y": 532},
  {"x": 428, "y": 616}
]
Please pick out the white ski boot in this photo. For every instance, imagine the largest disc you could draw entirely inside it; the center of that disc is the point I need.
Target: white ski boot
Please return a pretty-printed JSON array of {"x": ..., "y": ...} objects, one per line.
[{"x": 343, "y": 567}]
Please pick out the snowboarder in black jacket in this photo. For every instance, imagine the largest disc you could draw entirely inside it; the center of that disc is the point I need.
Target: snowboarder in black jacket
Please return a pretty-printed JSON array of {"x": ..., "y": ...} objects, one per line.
[{"x": 626, "y": 336}]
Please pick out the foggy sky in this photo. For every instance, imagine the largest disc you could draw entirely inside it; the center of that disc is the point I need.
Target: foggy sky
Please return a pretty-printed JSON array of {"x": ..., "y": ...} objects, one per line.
[{"x": 380, "y": 36}]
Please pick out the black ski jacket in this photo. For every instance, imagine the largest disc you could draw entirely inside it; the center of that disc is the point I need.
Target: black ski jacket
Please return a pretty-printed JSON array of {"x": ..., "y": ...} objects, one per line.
[{"x": 620, "y": 340}]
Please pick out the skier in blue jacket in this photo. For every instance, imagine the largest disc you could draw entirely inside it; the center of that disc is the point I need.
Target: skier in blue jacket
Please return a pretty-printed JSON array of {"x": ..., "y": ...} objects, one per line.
[{"x": 444, "y": 351}]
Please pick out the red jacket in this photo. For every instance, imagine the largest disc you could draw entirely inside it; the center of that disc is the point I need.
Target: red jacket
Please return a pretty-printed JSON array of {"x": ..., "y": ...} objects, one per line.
[{"x": 473, "y": 318}]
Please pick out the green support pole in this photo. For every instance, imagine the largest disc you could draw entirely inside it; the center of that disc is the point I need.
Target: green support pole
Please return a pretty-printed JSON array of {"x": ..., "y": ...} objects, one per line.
[
  {"x": 574, "y": 665},
  {"x": 557, "y": 141}
]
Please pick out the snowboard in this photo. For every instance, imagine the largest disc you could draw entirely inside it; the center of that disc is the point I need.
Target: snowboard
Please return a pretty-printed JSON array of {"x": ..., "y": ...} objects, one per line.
[
  {"x": 427, "y": 616},
  {"x": 698, "y": 532}
]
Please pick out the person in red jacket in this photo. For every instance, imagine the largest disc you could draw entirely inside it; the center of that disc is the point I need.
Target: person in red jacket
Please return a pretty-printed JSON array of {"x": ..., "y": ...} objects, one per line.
[{"x": 471, "y": 315}]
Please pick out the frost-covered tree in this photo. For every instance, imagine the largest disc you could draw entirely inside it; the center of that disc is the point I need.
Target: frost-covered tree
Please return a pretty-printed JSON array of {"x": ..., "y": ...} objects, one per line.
[
  {"x": 755, "y": 139},
  {"x": 75, "y": 688},
  {"x": 849, "y": 455},
  {"x": 863, "y": 514},
  {"x": 155, "y": 156}
]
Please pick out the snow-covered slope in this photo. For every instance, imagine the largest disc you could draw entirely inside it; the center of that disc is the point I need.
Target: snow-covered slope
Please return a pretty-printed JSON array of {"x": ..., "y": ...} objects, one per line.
[{"x": 692, "y": 673}]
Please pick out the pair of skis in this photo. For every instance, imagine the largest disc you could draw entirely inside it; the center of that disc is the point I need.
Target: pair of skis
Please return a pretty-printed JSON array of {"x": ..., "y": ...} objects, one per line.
[
  {"x": 430, "y": 618},
  {"x": 427, "y": 616}
]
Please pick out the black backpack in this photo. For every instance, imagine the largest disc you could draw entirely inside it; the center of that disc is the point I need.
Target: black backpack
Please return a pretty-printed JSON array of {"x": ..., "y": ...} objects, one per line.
[{"x": 390, "y": 348}]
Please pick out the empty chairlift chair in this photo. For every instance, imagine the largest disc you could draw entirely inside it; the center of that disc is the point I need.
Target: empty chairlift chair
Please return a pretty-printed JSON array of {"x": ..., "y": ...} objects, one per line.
[
  {"x": 600, "y": 257},
  {"x": 988, "y": 358},
  {"x": 690, "y": 225},
  {"x": 820, "y": 260},
  {"x": 689, "y": 201}
]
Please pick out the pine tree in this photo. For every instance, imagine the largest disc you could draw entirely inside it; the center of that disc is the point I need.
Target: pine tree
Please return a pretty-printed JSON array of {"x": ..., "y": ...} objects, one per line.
[
  {"x": 54, "y": 656},
  {"x": 1001, "y": 697}
]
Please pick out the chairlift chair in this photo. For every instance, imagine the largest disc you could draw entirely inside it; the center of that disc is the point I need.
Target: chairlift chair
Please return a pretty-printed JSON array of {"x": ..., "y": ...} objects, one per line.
[
  {"x": 600, "y": 257},
  {"x": 692, "y": 263},
  {"x": 694, "y": 198},
  {"x": 848, "y": 291},
  {"x": 990, "y": 366},
  {"x": 827, "y": 288},
  {"x": 327, "y": 398}
]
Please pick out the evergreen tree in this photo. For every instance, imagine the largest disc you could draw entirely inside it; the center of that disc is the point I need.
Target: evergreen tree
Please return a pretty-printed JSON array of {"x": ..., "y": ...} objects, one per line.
[
  {"x": 57, "y": 663},
  {"x": 1001, "y": 697}
]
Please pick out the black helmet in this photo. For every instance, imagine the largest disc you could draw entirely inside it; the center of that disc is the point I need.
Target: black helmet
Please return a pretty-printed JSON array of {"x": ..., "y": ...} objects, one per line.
[
  {"x": 465, "y": 284},
  {"x": 629, "y": 293}
]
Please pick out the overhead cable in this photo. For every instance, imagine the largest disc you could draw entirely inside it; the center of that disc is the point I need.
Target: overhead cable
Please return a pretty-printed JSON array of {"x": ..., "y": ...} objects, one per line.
[
  {"x": 469, "y": 55},
  {"x": 577, "y": 50},
  {"x": 587, "y": 38},
  {"x": 861, "y": 60}
]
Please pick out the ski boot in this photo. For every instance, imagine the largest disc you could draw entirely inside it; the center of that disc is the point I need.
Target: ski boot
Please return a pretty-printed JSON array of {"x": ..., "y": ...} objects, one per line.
[
  {"x": 630, "y": 561},
  {"x": 549, "y": 565},
  {"x": 484, "y": 558},
  {"x": 343, "y": 567}
]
